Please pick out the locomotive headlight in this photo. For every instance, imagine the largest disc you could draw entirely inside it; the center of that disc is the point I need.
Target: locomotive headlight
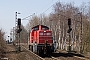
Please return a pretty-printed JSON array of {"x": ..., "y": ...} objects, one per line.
[
  {"x": 35, "y": 43},
  {"x": 44, "y": 31},
  {"x": 50, "y": 44}
]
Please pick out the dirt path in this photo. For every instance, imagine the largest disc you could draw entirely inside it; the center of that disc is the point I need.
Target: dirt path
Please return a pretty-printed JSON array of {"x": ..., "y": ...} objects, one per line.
[{"x": 12, "y": 54}]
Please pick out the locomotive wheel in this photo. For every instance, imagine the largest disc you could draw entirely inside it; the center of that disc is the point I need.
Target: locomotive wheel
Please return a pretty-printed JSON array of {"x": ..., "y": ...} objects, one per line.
[
  {"x": 29, "y": 47},
  {"x": 32, "y": 48},
  {"x": 40, "y": 52},
  {"x": 37, "y": 52},
  {"x": 48, "y": 52}
]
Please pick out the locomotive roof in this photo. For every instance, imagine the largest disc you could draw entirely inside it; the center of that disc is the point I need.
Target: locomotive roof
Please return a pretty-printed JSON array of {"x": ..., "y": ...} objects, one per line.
[{"x": 40, "y": 25}]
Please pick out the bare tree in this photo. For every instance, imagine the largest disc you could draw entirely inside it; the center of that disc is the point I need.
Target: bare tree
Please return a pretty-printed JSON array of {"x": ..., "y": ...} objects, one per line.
[
  {"x": 57, "y": 20},
  {"x": 2, "y": 42}
]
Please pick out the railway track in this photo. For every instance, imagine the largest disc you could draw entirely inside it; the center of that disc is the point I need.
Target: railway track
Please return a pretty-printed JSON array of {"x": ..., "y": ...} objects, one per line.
[
  {"x": 36, "y": 57},
  {"x": 66, "y": 58},
  {"x": 26, "y": 54},
  {"x": 33, "y": 55},
  {"x": 57, "y": 56},
  {"x": 69, "y": 56},
  {"x": 51, "y": 58}
]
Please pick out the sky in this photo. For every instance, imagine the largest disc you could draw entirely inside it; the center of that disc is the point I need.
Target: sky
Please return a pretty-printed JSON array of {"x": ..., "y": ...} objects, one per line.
[{"x": 26, "y": 8}]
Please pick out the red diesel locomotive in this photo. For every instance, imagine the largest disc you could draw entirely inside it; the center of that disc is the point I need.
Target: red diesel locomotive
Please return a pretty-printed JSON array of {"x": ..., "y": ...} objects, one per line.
[{"x": 41, "y": 40}]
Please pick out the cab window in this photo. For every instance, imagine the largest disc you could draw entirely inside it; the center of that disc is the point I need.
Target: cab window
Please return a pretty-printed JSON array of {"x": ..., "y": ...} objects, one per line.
[
  {"x": 36, "y": 28},
  {"x": 45, "y": 28}
]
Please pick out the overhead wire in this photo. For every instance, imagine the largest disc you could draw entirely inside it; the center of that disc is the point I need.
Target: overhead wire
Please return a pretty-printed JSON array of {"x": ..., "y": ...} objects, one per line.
[
  {"x": 50, "y": 6},
  {"x": 41, "y": 13}
]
